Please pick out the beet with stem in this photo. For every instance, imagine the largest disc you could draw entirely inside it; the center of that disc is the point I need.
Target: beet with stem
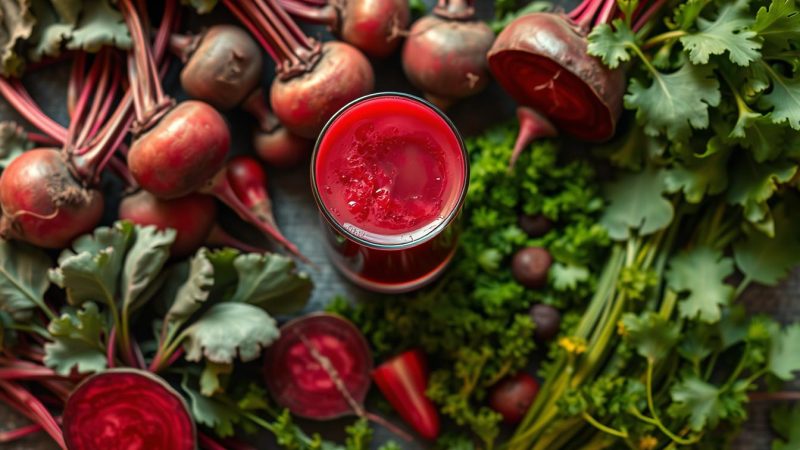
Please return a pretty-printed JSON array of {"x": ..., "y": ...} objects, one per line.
[
  {"x": 127, "y": 408},
  {"x": 272, "y": 142},
  {"x": 374, "y": 26},
  {"x": 541, "y": 59},
  {"x": 445, "y": 53},
  {"x": 313, "y": 80},
  {"x": 223, "y": 65}
]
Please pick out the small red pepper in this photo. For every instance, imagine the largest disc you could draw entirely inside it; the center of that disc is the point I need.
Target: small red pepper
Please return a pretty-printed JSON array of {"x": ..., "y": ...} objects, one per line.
[{"x": 403, "y": 381}]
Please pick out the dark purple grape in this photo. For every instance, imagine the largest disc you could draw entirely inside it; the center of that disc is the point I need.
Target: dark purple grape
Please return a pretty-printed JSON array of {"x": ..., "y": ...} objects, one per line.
[
  {"x": 547, "y": 320},
  {"x": 530, "y": 267}
]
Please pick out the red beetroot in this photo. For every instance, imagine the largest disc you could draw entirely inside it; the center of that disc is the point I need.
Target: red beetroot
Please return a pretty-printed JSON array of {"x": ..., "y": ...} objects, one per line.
[
  {"x": 371, "y": 25},
  {"x": 314, "y": 80},
  {"x": 192, "y": 216},
  {"x": 249, "y": 182},
  {"x": 445, "y": 53},
  {"x": 127, "y": 408},
  {"x": 512, "y": 396},
  {"x": 273, "y": 143},
  {"x": 223, "y": 65},
  {"x": 403, "y": 381}
]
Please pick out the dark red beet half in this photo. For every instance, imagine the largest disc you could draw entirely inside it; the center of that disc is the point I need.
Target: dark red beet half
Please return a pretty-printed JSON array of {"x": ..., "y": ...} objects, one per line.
[
  {"x": 541, "y": 60},
  {"x": 43, "y": 204},
  {"x": 124, "y": 409},
  {"x": 224, "y": 68},
  {"x": 298, "y": 367},
  {"x": 192, "y": 217}
]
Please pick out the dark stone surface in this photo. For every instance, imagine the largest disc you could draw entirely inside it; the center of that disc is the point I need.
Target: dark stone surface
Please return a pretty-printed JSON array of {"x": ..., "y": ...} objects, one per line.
[{"x": 296, "y": 212}]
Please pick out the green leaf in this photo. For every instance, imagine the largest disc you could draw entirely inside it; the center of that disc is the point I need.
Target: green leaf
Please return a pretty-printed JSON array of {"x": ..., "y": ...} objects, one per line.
[
  {"x": 13, "y": 142},
  {"x": 696, "y": 400},
  {"x": 201, "y": 6},
  {"x": 636, "y": 204},
  {"x": 23, "y": 278},
  {"x": 565, "y": 277},
  {"x": 753, "y": 184},
  {"x": 765, "y": 259},
  {"x": 100, "y": 25},
  {"x": 783, "y": 99},
  {"x": 675, "y": 103},
  {"x": 144, "y": 262},
  {"x": 612, "y": 44},
  {"x": 210, "y": 378},
  {"x": 194, "y": 292},
  {"x": 698, "y": 177},
  {"x": 784, "y": 420},
  {"x": 701, "y": 272},
  {"x": 779, "y": 25},
  {"x": 269, "y": 281},
  {"x": 230, "y": 330},
  {"x": 687, "y": 13},
  {"x": 16, "y": 25},
  {"x": 651, "y": 335},
  {"x": 784, "y": 357},
  {"x": 54, "y": 27},
  {"x": 76, "y": 342},
  {"x": 89, "y": 271},
  {"x": 728, "y": 32},
  {"x": 759, "y": 133},
  {"x": 211, "y": 412}
]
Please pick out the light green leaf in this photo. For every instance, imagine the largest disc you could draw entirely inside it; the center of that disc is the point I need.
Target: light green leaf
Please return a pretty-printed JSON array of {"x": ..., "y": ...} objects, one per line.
[
  {"x": 753, "y": 184},
  {"x": 211, "y": 412},
  {"x": 229, "y": 330},
  {"x": 765, "y": 259},
  {"x": 701, "y": 272},
  {"x": 191, "y": 295},
  {"x": 89, "y": 271},
  {"x": 100, "y": 25},
  {"x": 612, "y": 44},
  {"x": 784, "y": 356},
  {"x": 13, "y": 142},
  {"x": 565, "y": 277},
  {"x": 696, "y": 400},
  {"x": 16, "y": 25},
  {"x": 76, "y": 342},
  {"x": 210, "y": 378},
  {"x": 636, "y": 204},
  {"x": 687, "y": 13},
  {"x": 269, "y": 281},
  {"x": 728, "y": 32},
  {"x": 783, "y": 99},
  {"x": 698, "y": 177},
  {"x": 760, "y": 134},
  {"x": 144, "y": 262},
  {"x": 23, "y": 279},
  {"x": 54, "y": 27},
  {"x": 675, "y": 103},
  {"x": 651, "y": 335},
  {"x": 779, "y": 25}
]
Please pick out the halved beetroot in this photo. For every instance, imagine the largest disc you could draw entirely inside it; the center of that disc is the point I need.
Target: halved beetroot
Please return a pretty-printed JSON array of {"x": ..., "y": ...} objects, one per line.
[
  {"x": 320, "y": 367},
  {"x": 127, "y": 409},
  {"x": 541, "y": 60}
]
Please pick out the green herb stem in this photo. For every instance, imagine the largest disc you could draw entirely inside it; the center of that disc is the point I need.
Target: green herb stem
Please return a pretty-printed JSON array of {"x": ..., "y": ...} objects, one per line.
[
  {"x": 604, "y": 428},
  {"x": 663, "y": 37}
]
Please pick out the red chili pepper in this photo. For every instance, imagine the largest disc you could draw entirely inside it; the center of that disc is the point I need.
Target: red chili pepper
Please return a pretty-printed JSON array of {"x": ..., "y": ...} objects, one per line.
[{"x": 403, "y": 381}]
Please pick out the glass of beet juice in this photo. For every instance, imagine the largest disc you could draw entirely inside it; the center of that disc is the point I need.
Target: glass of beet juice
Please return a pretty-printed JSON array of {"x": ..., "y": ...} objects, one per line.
[{"x": 389, "y": 175}]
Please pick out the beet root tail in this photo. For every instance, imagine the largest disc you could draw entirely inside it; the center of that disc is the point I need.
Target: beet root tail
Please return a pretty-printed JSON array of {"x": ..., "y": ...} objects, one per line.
[{"x": 532, "y": 126}]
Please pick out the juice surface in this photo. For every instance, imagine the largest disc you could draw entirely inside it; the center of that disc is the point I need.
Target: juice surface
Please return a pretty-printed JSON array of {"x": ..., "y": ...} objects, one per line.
[{"x": 389, "y": 169}]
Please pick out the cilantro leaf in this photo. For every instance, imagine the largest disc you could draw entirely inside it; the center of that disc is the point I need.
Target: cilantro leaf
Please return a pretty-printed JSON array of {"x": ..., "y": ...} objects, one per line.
[
  {"x": 651, "y": 335},
  {"x": 23, "y": 279},
  {"x": 766, "y": 259},
  {"x": 696, "y": 400},
  {"x": 687, "y": 13},
  {"x": 701, "y": 271},
  {"x": 269, "y": 281},
  {"x": 674, "y": 103},
  {"x": 565, "y": 277},
  {"x": 784, "y": 356},
  {"x": 779, "y": 25},
  {"x": 728, "y": 32},
  {"x": 760, "y": 134},
  {"x": 784, "y": 420},
  {"x": 76, "y": 342},
  {"x": 213, "y": 413},
  {"x": 698, "y": 177},
  {"x": 16, "y": 24},
  {"x": 229, "y": 330},
  {"x": 636, "y": 203},
  {"x": 753, "y": 184},
  {"x": 612, "y": 44},
  {"x": 783, "y": 99},
  {"x": 13, "y": 142},
  {"x": 143, "y": 263}
]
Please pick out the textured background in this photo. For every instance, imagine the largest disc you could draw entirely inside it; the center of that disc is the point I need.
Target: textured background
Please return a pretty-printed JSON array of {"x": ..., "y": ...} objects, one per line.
[{"x": 297, "y": 215}]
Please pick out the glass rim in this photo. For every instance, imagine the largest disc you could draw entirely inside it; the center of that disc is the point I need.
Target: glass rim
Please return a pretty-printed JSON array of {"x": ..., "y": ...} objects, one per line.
[{"x": 433, "y": 232}]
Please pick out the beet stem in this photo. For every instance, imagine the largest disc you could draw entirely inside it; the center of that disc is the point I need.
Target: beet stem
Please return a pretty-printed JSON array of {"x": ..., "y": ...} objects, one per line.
[
  {"x": 319, "y": 14},
  {"x": 221, "y": 238},
  {"x": 30, "y": 373},
  {"x": 111, "y": 346},
  {"x": 608, "y": 11},
  {"x": 19, "y": 433},
  {"x": 30, "y": 403},
  {"x": 208, "y": 443},
  {"x": 244, "y": 19},
  {"x": 75, "y": 84},
  {"x": 532, "y": 126},
  {"x": 256, "y": 105},
  {"x": 16, "y": 95},
  {"x": 586, "y": 18},
  {"x": 41, "y": 139},
  {"x": 780, "y": 396},
  {"x": 642, "y": 20}
]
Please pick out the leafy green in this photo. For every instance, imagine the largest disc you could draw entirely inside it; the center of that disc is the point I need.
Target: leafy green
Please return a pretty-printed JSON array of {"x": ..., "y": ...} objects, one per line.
[
  {"x": 23, "y": 279},
  {"x": 784, "y": 420},
  {"x": 194, "y": 291},
  {"x": 784, "y": 98},
  {"x": 703, "y": 403},
  {"x": 728, "y": 32},
  {"x": 269, "y": 281},
  {"x": 784, "y": 358},
  {"x": 651, "y": 335},
  {"x": 76, "y": 341},
  {"x": 702, "y": 272},
  {"x": 778, "y": 25},
  {"x": 611, "y": 43},
  {"x": 753, "y": 184},
  {"x": 16, "y": 25},
  {"x": 143, "y": 263},
  {"x": 636, "y": 204},
  {"x": 13, "y": 142},
  {"x": 698, "y": 177},
  {"x": 766, "y": 259}
]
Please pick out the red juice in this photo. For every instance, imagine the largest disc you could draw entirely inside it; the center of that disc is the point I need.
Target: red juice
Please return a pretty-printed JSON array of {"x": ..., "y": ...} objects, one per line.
[{"x": 390, "y": 175}]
